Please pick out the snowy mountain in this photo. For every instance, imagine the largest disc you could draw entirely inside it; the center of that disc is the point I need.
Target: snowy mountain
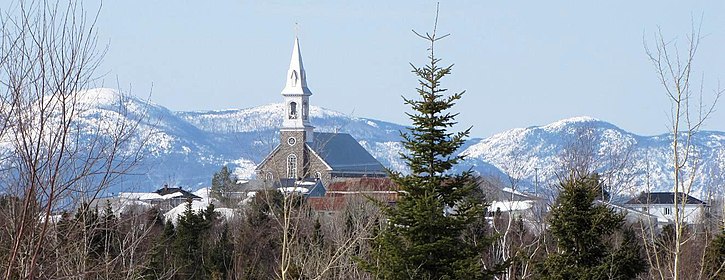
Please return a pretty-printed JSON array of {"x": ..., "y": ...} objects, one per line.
[
  {"x": 628, "y": 163},
  {"x": 186, "y": 148}
]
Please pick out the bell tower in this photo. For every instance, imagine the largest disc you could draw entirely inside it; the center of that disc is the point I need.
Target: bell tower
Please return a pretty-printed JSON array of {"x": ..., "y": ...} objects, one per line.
[
  {"x": 296, "y": 129},
  {"x": 302, "y": 154},
  {"x": 297, "y": 98}
]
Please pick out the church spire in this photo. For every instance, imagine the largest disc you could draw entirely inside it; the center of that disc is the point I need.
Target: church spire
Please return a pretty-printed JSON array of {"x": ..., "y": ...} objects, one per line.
[
  {"x": 296, "y": 76},
  {"x": 297, "y": 100}
]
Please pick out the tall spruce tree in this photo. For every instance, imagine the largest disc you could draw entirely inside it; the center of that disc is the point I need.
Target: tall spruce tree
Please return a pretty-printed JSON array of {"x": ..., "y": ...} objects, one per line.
[
  {"x": 160, "y": 262},
  {"x": 221, "y": 183},
  {"x": 583, "y": 230},
  {"x": 714, "y": 260},
  {"x": 189, "y": 250},
  {"x": 424, "y": 236}
]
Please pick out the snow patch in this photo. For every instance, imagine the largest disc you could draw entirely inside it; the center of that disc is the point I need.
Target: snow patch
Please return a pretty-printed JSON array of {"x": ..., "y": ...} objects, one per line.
[
  {"x": 197, "y": 206},
  {"x": 558, "y": 125},
  {"x": 244, "y": 168},
  {"x": 508, "y": 206}
]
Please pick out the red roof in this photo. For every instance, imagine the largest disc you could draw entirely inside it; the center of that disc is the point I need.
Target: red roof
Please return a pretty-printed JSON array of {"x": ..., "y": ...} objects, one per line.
[
  {"x": 340, "y": 192},
  {"x": 362, "y": 185},
  {"x": 327, "y": 203}
]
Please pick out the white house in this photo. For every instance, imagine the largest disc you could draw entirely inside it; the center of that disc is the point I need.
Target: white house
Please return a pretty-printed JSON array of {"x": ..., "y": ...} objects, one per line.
[
  {"x": 164, "y": 198},
  {"x": 662, "y": 205},
  {"x": 507, "y": 200},
  {"x": 635, "y": 215}
]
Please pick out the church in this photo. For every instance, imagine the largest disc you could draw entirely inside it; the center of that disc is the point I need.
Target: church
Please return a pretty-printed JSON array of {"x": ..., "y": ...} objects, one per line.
[{"x": 306, "y": 157}]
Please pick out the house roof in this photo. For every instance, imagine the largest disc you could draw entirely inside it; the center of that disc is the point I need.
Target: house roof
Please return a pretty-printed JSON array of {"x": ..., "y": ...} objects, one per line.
[
  {"x": 662, "y": 198},
  {"x": 327, "y": 203},
  {"x": 362, "y": 185},
  {"x": 184, "y": 194},
  {"x": 631, "y": 212},
  {"x": 342, "y": 153},
  {"x": 309, "y": 187}
]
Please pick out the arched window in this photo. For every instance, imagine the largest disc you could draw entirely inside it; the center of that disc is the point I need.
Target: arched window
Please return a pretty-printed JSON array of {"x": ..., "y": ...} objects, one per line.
[
  {"x": 292, "y": 110},
  {"x": 292, "y": 166},
  {"x": 318, "y": 175},
  {"x": 293, "y": 78},
  {"x": 305, "y": 110},
  {"x": 269, "y": 176}
]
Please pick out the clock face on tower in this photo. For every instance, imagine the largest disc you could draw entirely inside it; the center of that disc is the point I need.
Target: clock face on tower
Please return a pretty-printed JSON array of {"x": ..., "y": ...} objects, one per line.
[{"x": 291, "y": 141}]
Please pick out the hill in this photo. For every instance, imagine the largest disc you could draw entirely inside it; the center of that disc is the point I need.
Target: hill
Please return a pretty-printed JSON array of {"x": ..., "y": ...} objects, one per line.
[{"x": 186, "y": 148}]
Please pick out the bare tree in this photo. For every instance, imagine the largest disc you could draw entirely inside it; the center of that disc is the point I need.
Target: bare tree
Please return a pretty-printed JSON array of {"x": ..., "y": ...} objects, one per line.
[
  {"x": 329, "y": 250},
  {"x": 53, "y": 160},
  {"x": 580, "y": 157},
  {"x": 515, "y": 219},
  {"x": 688, "y": 112}
]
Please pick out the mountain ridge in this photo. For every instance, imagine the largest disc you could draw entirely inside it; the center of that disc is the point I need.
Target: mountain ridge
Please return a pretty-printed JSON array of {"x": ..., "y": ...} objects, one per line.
[{"x": 187, "y": 147}]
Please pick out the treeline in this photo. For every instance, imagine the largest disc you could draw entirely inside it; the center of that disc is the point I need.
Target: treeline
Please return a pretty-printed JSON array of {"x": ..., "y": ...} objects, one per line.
[{"x": 280, "y": 236}]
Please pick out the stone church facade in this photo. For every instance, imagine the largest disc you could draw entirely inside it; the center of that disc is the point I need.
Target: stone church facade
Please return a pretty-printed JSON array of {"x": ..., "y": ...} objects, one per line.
[{"x": 306, "y": 155}]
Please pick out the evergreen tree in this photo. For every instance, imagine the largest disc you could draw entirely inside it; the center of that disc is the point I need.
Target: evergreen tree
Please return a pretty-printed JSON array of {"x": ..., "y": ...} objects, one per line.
[
  {"x": 581, "y": 229},
  {"x": 91, "y": 233},
  {"x": 160, "y": 262},
  {"x": 188, "y": 243},
  {"x": 109, "y": 233},
  {"x": 221, "y": 256},
  {"x": 714, "y": 262},
  {"x": 424, "y": 236},
  {"x": 221, "y": 183}
]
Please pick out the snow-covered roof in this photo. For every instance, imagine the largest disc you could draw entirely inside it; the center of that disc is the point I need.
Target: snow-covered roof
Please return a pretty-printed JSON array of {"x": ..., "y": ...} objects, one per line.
[
  {"x": 147, "y": 196},
  {"x": 307, "y": 187},
  {"x": 301, "y": 190},
  {"x": 160, "y": 194},
  {"x": 508, "y": 206},
  {"x": 197, "y": 205}
]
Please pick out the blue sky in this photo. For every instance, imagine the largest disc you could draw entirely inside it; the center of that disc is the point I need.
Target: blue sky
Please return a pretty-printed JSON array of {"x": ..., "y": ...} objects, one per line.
[{"x": 521, "y": 63}]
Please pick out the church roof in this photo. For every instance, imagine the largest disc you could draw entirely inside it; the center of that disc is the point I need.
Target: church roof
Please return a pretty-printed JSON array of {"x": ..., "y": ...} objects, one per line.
[{"x": 342, "y": 153}]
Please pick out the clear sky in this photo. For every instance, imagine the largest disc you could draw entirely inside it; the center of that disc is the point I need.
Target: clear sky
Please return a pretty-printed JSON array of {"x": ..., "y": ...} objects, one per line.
[{"x": 522, "y": 63}]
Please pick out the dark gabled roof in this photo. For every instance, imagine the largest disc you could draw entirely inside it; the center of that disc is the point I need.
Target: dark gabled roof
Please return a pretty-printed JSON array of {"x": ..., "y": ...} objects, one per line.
[
  {"x": 184, "y": 194},
  {"x": 318, "y": 190},
  {"x": 343, "y": 154},
  {"x": 662, "y": 198}
]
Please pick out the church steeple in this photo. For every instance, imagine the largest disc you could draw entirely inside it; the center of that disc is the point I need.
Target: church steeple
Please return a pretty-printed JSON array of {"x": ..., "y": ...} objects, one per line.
[
  {"x": 296, "y": 76},
  {"x": 296, "y": 97}
]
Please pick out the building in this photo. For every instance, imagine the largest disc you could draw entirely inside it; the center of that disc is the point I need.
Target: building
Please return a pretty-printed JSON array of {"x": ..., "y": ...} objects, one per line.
[
  {"x": 517, "y": 203},
  {"x": 164, "y": 198},
  {"x": 634, "y": 216},
  {"x": 341, "y": 193},
  {"x": 304, "y": 154},
  {"x": 662, "y": 204}
]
